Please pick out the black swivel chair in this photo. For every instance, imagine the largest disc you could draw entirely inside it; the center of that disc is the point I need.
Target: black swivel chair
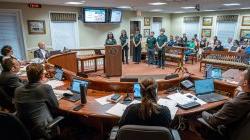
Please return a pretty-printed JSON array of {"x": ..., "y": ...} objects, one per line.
[
  {"x": 240, "y": 132},
  {"x": 140, "y": 132},
  {"x": 6, "y": 101},
  {"x": 12, "y": 128}
]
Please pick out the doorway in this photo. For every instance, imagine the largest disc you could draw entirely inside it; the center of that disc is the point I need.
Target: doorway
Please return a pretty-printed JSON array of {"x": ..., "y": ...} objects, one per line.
[{"x": 133, "y": 26}]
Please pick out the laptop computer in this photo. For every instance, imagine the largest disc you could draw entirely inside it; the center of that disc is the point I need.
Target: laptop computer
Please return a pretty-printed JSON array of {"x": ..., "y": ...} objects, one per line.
[
  {"x": 58, "y": 74},
  {"x": 216, "y": 73},
  {"x": 75, "y": 89},
  {"x": 204, "y": 90}
]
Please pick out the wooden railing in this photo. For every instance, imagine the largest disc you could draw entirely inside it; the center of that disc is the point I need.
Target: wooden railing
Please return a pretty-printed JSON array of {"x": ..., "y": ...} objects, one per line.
[{"x": 89, "y": 64}]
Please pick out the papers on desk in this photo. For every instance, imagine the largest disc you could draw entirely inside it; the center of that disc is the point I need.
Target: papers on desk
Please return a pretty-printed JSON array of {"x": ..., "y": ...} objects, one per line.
[
  {"x": 54, "y": 83},
  {"x": 194, "y": 98},
  {"x": 180, "y": 98},
  {"x": 59, "y": 93},
  {"x": 104, "y": 100},
  {"x": 117, "y": 109},
  {"x": 170, "y": 104}
]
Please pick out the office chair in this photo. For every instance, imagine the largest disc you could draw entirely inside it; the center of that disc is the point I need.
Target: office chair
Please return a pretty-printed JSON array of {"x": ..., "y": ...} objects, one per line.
[
  {"x": 12, "y": 128},
  {"x": 240, "y": 132},
  {"x": 6, "y": 101},
  {"x": 140, "y": 132}
]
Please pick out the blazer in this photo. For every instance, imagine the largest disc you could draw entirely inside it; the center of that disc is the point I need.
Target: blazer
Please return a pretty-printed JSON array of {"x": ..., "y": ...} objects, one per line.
[
  {"x": 232, "y": 112},
  {"x": 9, "y": 82},
  {"x": 38, "y": 54},
  {"x": 35, "y": 103},
  {"x": 131, "y": 117}
]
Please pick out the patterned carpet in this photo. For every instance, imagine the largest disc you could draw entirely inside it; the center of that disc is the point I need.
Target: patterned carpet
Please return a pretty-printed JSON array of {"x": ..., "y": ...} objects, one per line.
[{"x": 145, "y": 69}]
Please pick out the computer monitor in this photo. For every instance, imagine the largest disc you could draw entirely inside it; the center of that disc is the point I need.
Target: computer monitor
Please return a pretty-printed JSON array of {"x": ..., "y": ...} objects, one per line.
[
  {"x": 59, "y": 74},
  {"x": 137, "y": 90},
  {"x": 216, "y": 73},
  {"x": 204, "y": 86},
  {"x": 75, "y": 85}
]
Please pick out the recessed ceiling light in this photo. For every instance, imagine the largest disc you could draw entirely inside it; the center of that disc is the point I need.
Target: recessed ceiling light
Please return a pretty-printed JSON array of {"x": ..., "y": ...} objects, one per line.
[
  {"x": 157, "y": 3},
  {"x": 156, "y": 10},
  {"x": 231, "y": 4},
  {"x": 188, "y": 7},
  {"x": 245, "y": 8},
  {"x": 124, "y": 7},
  {"x": 74, "y": 3},
  {"x": 209, "y": 10}
]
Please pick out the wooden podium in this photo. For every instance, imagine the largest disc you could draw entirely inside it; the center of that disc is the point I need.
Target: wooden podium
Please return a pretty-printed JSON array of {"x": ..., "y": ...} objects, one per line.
[{"x": 113, "y": 60}]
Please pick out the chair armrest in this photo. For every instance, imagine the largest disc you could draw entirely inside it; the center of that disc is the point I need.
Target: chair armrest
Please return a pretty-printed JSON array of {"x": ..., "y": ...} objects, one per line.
[
  {"x": 202, "y": 121},
  {"x": 54, "y": 122},
  {"x": 113, "y": 133},
  {"x": 175, "y": 134}
]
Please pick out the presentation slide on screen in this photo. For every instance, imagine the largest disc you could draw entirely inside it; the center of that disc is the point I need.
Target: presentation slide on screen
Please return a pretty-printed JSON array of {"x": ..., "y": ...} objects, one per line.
[
  {"x": 116, "y": 16},
  {"x": 93, "y": 15}
]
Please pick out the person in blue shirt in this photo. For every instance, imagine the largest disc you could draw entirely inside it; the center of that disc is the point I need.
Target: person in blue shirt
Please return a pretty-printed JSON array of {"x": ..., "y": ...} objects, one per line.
[
  {"x": 137, "y": 50},
  {"x": 171, "y": 42},
  {"x": 161, "y": 44},
  {"x": 124, "y": 44},
  {"x": 151, "y": 42}
]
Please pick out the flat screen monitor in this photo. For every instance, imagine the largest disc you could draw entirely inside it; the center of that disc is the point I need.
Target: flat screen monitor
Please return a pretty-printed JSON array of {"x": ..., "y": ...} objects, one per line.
[
  {"x": 75, "y": 85},
  {"x": 137, "y": 90},
  {"x": 94, "y": 15},
  {"x": 115, "y": 16}
]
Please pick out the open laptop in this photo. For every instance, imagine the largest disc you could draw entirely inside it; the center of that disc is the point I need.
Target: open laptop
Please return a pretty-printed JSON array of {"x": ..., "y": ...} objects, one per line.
[
  {"x": 58, "y": 74},
  {"x": 204, "y": 90},
  {"x": 75, "y": 89},
  {"x": 216, "y": 73}
]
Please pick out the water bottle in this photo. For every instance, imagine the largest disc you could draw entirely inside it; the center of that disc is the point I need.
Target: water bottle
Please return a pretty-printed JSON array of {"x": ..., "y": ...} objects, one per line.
[{"x": 83, "y": 94}]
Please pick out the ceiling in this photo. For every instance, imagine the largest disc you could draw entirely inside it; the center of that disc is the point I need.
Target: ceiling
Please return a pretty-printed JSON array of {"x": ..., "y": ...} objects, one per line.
[{"x": 172, "y": 6}]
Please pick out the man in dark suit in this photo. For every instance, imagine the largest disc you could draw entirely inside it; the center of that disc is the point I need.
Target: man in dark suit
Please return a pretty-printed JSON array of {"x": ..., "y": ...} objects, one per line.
[
  {"x": 35, "y": 102},
  {"x": 41, "y": 52},
  {"x": 9, "y": 80},
  {"x": 235, "y": 110}
]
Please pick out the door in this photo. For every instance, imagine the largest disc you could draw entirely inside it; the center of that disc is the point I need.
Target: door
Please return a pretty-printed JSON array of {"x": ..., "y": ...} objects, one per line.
[{"x": 133, "y": 26}]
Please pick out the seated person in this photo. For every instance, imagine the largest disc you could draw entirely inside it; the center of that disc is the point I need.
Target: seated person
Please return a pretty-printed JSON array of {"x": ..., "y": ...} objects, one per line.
[
  {"x": 203, "y": 45},
  {"x": 233, "y": 110},
  {"x": 35, "y": 102},
  {"x": 180, "y": 42},
  {"x": 41, "y": 52},
  {"x": 148, "y": 112},
  {"x": 218, "y": 46},
  {"x": 171, "y": 42},
  {"x": 110, "y": 39},
  {"x": 9, "y": 80},
  {"x": 6, "y": 52},
  {"x": 235, "y": 47},
  {"x": 229, "y": 43},
  {"x": 191, "y": 48}
]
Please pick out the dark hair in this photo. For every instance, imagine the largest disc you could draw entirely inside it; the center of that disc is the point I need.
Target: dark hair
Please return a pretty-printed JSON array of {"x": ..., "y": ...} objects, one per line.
[
  {"x": 6, "y": 49},
  {"x": 34, "y": 72},
  {"x": 109, "y": 34},
  {"x": 124, "y": 32},
  {"x": 8, "y": 63},
  {"x": 149, "y": 99},
  {"x": 237, "y": 42}
]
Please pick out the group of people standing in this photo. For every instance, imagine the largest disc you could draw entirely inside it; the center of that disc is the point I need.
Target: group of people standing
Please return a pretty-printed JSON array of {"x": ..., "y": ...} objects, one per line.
[{"x": 152, "y": 43}]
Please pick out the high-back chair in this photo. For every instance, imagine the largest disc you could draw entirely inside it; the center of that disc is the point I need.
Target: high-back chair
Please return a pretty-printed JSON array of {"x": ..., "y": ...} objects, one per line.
[{"x": 140, "y": 132}]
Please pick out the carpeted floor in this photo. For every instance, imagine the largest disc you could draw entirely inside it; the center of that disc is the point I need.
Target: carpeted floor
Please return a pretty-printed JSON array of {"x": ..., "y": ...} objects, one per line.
[{"x": 145, "y": 69}]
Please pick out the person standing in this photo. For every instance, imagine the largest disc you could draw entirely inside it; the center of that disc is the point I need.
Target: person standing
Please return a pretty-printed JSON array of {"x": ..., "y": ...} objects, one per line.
[
  {"x": 151, "y": 42},
  {"x": 124, "y": 44},
  {"x": 161, "y": 44},
  {"x": 110, "y": 39},
  {"x": 137, "y": 42}
]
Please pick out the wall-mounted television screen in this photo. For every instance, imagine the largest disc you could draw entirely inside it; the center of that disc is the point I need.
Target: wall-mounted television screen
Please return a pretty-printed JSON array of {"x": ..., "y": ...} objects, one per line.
[
  {"x": 115, "y": 16},
  {"x": 94, "y": 15}
]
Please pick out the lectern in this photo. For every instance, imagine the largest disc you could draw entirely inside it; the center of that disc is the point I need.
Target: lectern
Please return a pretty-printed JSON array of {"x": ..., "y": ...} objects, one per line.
[{"x": 113, "y": 60}]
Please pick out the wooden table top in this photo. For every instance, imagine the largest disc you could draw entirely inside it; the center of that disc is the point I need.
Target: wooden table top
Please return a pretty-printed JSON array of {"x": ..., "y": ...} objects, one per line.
[{"x": 94, "y": 109}]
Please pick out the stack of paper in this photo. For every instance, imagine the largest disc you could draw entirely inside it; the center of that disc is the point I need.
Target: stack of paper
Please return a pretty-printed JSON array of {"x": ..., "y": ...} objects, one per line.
[
  {"x": 170, "y": 104},
  {"x": 180, "y": 98},
  {"x": 117, "y": 109},
  {"x": 55, "y": 83},
  {"x": 194, "y": 98},
  {"x": 104, "y": 100}
]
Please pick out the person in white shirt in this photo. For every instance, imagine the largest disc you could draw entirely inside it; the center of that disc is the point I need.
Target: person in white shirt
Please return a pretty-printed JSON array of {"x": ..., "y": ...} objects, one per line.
[
  {"x": 41, "y": 52},
  {"x": 229, "y": 43}
]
